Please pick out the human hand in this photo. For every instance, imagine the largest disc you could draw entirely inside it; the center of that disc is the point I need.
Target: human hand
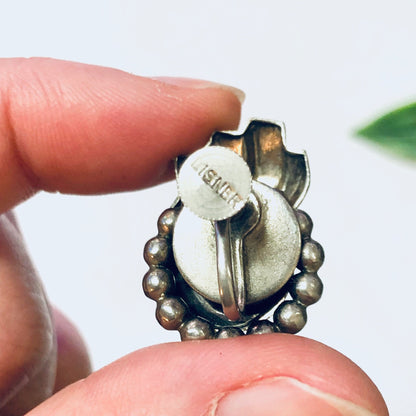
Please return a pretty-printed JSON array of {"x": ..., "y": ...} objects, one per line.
[{"x": 82, "y": 129}]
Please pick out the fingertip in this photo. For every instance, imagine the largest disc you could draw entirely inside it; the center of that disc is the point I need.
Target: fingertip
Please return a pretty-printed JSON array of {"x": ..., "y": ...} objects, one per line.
[
  {"x": 84, "y": 129},
  {"x": 216, "y": 377},
  {"x": 201, "y": 84}
]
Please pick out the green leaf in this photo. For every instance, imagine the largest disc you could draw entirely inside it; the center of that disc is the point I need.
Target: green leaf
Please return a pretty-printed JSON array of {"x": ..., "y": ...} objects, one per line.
[{"x": 395, "y": 131}]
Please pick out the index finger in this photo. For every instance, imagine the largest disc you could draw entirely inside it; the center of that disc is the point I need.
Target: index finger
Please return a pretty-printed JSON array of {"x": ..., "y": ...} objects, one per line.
[{"x": 83, "y": 129}]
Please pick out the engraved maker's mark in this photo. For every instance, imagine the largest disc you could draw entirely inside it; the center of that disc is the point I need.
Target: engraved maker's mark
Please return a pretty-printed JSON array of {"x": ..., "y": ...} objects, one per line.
[{"x": 218, "y": 184}]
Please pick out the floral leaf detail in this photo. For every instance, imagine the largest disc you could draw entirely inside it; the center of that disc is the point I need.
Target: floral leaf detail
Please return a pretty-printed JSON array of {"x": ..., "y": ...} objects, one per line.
[{"x": 394, "y": 131}]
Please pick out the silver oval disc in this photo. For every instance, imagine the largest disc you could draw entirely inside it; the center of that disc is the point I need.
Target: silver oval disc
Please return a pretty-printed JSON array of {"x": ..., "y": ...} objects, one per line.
[
  {"x": 270, "y": 252},
  {"x": 214, "y": 183}
]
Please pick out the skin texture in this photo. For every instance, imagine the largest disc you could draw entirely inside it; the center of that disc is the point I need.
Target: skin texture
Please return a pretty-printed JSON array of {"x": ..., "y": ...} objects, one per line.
[
  {"x": 73, "y": 362},
  {"x": 82, "y": 129},
  {"x": 190, "y": 376}
]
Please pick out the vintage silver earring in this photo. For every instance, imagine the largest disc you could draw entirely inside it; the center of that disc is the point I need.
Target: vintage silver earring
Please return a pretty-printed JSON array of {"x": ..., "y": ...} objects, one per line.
[{"x": 233, "y": 245}]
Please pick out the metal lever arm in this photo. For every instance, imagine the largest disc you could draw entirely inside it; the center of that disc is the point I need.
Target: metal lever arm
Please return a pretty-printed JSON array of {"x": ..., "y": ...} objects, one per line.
[
  {"x": 241, "y": 225},
  {"x": 225, "y": 270}
]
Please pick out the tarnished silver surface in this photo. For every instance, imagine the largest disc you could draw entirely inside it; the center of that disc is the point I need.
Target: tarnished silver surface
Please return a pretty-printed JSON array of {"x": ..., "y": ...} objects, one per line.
[
  {"x": 271, "y": 251},
  {"x": 306, "y": 288},
  {"x": 170, "y": 312},
  {"x": 157, "y": 282},
  {"x": 290, "y": 316},
  {"x": 196, "y": 329},
  {"x": 224, "y": 266},
  {"x": 312, "y": 256},
  {"x": 166, "y": 222},
  {"x": 156, "y": 251},
  {"x": 262, "y": 145},
  {"x": 241, "y": 225},
  {"x": 229, "y": 333},
  {"x": 305, "y": 223},
  {"x": 233, "y": 246},
  {"x": 261, "y": 327},
  {"x": 214, "y": 183}
]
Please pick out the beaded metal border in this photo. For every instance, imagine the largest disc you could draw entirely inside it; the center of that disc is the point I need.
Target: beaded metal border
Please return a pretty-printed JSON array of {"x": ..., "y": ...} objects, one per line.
[{"x": 173, "y": 313}]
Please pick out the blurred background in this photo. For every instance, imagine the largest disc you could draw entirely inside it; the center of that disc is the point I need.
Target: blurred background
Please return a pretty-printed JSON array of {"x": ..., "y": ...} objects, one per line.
[{"x": 324, "y": 68}]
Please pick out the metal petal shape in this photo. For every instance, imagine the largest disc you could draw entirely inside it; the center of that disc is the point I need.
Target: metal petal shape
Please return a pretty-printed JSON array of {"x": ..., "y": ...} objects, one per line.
[{"x": 262, "y": 146}]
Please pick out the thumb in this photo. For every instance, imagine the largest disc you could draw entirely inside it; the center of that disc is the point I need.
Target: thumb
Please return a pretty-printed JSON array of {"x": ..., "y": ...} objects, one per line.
[{"x": 275, "y": 374}]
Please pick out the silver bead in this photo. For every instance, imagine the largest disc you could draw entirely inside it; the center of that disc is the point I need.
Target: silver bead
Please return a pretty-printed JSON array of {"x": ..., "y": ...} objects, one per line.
[
  {"x": 260, "y": 327},
  {"x": 312, "y": 256},
  {"x": 156, "y": 251},
  {"x": 306, "y": 288},
  {"x": 195, "y": 329},
  {"x": 230, "y": 332},
  {"x": 170, "y": 313},
  {"x": 166, "y": 222},
  {"x": 305, "y": 223},
  {"x": 290, "y": 317},
  {"x": 157, "y": 282}
]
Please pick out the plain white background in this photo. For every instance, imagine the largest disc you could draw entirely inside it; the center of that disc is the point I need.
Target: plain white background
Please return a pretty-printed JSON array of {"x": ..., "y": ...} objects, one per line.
[{"x": 324, "y": 68}]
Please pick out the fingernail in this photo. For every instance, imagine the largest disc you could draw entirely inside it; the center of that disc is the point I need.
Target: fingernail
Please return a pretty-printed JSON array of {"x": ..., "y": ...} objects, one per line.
[
  {"x": 284, "y": 396},
  {"x": 201, "y": 84}
]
